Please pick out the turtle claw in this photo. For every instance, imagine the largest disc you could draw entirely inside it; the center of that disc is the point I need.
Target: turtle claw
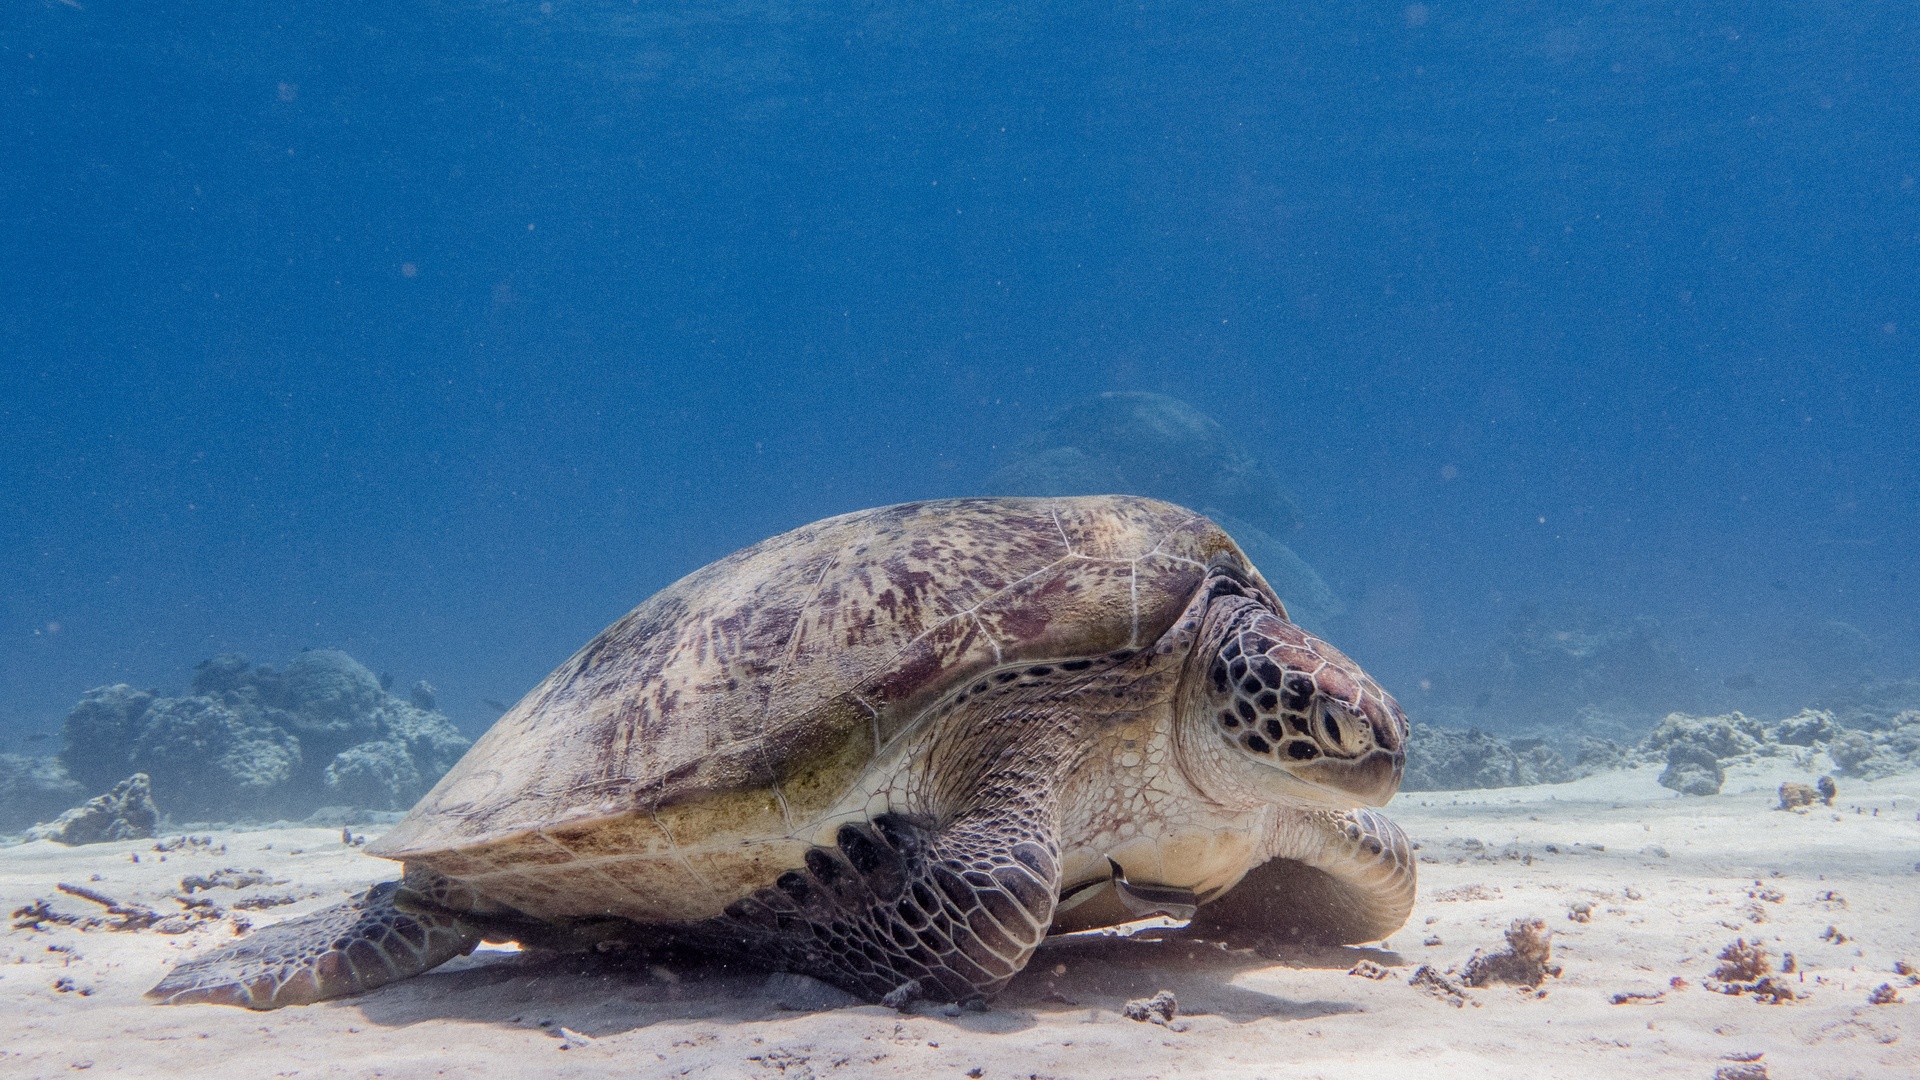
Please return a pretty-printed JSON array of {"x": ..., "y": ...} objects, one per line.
[
  {"x": 1146, "y": 901},
  {"x": 903, "y": 833},
  {"x": 869, "y": 851}
]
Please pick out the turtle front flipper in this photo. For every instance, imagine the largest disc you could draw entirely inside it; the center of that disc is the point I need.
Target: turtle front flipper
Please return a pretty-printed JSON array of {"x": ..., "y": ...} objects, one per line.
[
  {"x": 1337, "y": 877},
  {"x": 903, "y": 908},
  {"x": 345, "y": 949}
]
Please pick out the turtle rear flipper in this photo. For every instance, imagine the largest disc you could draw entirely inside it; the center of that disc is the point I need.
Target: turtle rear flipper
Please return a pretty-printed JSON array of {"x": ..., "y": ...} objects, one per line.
[{"x": 345, "y": 949}]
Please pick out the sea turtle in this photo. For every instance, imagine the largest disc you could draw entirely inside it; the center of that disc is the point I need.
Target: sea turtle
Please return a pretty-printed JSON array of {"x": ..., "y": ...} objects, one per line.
[{"x": 894, "y": 750}]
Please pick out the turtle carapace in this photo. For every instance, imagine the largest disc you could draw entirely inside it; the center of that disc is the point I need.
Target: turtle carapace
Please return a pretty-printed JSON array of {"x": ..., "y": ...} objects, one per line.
[{"x": 894, "y": 750}]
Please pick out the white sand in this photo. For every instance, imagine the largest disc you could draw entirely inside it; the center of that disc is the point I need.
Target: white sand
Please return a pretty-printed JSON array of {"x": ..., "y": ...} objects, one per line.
[{"x": 1293, "y": 1013}]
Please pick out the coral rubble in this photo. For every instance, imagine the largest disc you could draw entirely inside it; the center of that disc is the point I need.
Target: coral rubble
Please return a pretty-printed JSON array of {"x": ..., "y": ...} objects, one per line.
[
  {"x": 1694, "y": 750},
  {"x": 1745, "y": 969},
  {"x": 1692, "y": 769},
  {"x": 1697, "y": 746},
  {"x": 1526, "y": 961},
  {"x": 1448, "y": 759},
  {"x": 1873, "y": 754},
  {"x": 1795, "y": 796},
  {"x": 1160, "y": 1009},
  {"x": 125, "y": 813},
  {"x": 1714, "y": 736}
]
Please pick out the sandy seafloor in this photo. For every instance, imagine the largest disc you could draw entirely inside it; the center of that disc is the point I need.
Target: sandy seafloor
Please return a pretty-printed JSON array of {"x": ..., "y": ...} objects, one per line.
[{"x": 1670, "y": 880}]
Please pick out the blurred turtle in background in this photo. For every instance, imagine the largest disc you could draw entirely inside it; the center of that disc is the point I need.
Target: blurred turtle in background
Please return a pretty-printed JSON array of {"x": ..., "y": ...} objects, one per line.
[{"x": 1133, "y": 443}]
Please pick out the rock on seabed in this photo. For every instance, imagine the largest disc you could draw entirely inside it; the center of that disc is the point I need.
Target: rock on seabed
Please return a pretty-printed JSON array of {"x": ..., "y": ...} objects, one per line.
[{"x": 257, "y": 742}]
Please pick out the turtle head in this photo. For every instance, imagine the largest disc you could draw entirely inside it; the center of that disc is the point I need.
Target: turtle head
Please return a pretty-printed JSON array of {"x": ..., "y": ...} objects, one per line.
[{"x": 1306, "y": 718}]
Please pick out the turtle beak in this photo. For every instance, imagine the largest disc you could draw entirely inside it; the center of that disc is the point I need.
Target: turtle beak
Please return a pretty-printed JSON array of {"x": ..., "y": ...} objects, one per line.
[{"x": 1369, "y": 780}]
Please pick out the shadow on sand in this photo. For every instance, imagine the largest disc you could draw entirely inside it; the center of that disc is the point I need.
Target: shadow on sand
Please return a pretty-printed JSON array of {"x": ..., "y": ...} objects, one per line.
[{"x": 598, "y": 996}]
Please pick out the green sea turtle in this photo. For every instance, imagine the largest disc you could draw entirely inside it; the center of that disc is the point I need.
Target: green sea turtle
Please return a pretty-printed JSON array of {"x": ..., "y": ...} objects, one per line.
[{"x": 894, "y": 750}]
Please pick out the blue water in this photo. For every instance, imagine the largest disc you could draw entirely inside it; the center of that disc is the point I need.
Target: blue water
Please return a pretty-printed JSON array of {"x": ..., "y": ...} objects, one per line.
[{"x": 444, "y": 333}]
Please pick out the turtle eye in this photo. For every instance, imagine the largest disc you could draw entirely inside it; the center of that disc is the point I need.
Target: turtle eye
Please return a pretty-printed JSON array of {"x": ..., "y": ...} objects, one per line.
[{"x": 1340, "y": 731}]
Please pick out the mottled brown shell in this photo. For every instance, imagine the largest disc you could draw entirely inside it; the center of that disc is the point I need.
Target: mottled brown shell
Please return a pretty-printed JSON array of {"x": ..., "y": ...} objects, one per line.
[{"x": 746, "y": 698}]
